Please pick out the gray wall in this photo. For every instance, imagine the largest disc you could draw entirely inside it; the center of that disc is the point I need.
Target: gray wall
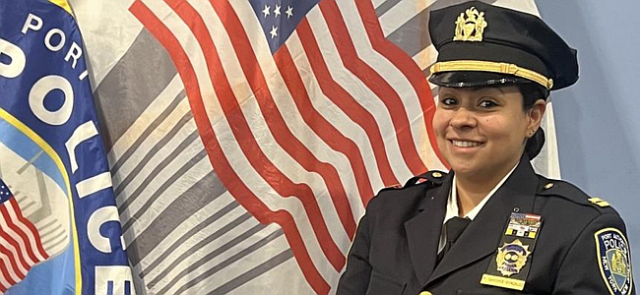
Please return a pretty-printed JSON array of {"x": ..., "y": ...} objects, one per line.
[{"x": 597, "y": 120}]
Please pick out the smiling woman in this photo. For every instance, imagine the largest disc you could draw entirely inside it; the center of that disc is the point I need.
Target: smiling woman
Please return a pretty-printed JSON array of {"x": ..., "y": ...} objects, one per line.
[
  {"x": 491, "y": 225},
  {"x": 482, "y": 133}
]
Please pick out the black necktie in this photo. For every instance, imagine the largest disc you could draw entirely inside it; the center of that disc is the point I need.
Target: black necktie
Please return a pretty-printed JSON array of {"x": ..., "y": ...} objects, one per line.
[{"x": 454, "y": 228}]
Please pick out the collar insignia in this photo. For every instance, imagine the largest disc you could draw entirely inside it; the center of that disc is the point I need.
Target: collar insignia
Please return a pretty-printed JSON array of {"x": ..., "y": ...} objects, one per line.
[
  {"x": 512, "y": 257},
  {"x": 614, "y": 260},
  {"x": 470, "y": 28}
]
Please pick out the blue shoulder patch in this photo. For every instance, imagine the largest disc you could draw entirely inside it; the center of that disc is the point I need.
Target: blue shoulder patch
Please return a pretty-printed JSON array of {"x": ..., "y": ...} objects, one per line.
[{"x": 614, "y": 260}]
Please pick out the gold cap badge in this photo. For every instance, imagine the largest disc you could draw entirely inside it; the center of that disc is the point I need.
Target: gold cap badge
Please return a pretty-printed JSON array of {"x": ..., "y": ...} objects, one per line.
[{"x": 470, "y": 28}]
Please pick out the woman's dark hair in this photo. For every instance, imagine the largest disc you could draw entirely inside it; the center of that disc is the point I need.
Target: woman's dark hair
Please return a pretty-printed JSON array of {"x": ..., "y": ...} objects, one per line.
[{"x": 531, "y": 93}]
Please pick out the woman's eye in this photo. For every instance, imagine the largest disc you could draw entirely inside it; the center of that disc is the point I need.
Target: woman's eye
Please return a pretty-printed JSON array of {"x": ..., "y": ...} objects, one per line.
[
  {"x": 449, "y": 101},
  {"x": 487, "y": 104}
]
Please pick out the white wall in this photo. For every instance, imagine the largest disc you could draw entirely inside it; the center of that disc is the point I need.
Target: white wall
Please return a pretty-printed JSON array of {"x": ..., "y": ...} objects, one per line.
[{"x": 598, "y": 119}]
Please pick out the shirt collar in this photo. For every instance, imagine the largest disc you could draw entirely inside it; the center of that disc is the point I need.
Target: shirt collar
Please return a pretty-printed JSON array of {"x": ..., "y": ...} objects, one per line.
[{"x": 452, "y": 201}]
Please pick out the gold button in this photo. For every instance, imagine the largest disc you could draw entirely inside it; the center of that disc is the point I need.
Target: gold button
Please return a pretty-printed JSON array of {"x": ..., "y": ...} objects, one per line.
[
  {"x": 436, "y": 175},
  {"x": 426, "y": 293},
  {"x": 548, "y": 185}
]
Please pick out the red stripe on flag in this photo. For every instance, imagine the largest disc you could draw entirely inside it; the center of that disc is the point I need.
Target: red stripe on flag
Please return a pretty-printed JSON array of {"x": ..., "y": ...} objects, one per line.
[
  {"x": 19, "y": 232},
  {"x": 406, "y": 65},
  {"x": 325, "y": 130},
  {"x": 341, "y": 98},
  {"x": 221, "y": 165},
  {"x": 375, "y": 82},
  {"x": 16, "y": 246},
  {"x": 13, "y": 273},
  {"x": 12, "y": 261},
  {"x": 5, "y": 273},
  {"x": 280, "y": 183},
  {"x": 30, "y": 226}
]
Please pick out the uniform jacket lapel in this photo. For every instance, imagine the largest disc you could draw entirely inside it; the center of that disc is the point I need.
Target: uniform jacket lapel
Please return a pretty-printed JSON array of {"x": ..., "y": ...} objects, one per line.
[
  {"x": 483, "y": 235},
  {"x": 423, "y": 230}
]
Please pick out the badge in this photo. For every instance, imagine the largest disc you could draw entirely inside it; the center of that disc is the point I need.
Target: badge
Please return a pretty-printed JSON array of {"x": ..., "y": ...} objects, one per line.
[
  {"x": 614, "y": 260},
  {"x": 471, "y": 27},
  {"x": 510, "y": 267},
  {"x": 511, "y": 258}
]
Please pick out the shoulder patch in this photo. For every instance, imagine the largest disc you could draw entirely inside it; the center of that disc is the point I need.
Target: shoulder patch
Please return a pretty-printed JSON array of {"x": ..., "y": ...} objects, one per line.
[{"x": 614, "y": 260}]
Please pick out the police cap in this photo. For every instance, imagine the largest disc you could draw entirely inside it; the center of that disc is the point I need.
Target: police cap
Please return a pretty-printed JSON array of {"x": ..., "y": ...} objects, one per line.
[{"x": 479, "y": 45}]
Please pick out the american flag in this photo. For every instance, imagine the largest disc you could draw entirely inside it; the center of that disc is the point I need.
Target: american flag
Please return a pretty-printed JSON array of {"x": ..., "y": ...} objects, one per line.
[
  {"x": 20, "y": 244},
  {"x": 305, "y": 110},
  {"x": 246, "y": 137}
]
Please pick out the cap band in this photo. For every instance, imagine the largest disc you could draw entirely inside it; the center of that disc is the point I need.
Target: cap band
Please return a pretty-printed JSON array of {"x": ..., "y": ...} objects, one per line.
[{"x": 493, "y": 67}]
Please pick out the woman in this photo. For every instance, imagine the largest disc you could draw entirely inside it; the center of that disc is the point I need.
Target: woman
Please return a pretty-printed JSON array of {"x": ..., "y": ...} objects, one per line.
[{"x": 491, "y": 226}]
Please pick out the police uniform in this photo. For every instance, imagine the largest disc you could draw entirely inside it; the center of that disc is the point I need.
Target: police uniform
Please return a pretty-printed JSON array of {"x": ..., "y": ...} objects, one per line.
[{"x": 534, "y": 235}]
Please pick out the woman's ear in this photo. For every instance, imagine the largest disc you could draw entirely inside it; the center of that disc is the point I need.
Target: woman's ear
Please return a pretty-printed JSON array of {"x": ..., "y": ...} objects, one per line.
[{"x": 535, "y": 115}]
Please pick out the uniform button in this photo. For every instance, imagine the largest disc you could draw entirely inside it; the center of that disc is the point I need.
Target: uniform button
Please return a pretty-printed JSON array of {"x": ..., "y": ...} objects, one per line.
[
  {"x": 426, "y": 293},
  {"x": 548, "y": 185},
  {"x": 436, "y": 175}
]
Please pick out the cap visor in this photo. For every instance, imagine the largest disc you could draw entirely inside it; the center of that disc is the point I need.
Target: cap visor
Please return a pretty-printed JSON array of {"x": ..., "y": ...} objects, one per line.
[{"x": 462, "y": 79}]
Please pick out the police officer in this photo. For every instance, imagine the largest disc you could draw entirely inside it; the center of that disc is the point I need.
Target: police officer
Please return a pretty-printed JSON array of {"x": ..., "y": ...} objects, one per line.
[{"x": 490, "y": 226}]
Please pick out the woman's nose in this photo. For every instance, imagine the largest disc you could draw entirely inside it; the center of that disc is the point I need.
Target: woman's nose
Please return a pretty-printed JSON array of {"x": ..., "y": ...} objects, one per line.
[{"x": 463, "y": 118}]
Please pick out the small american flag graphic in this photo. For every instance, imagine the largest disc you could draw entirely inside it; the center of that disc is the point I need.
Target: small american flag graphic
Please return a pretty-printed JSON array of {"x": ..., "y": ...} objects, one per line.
[{"x": 20, "y": 244}]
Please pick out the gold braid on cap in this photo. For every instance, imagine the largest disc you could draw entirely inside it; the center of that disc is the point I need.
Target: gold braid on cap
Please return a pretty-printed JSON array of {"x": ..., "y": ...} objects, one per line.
[{"x": 493, "y": 67}]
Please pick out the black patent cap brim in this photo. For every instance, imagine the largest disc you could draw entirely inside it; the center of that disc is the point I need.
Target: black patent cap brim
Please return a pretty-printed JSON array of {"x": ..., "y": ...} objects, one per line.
[{"x": 462, "y": 79}]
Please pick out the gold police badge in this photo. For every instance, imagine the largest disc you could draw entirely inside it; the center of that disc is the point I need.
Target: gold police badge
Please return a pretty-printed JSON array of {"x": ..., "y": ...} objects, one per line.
[
  {"x": 470, "y": 28},
  {"x": 512, "y": 257}
]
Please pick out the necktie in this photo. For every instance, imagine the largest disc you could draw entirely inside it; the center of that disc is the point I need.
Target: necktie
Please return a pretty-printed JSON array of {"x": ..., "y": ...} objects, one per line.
[{"x": 454, "y": 228}]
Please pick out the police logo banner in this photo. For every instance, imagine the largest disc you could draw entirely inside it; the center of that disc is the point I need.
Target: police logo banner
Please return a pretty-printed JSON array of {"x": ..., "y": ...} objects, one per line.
[
  {"x": 615, "y": 260},
  {"x": 59, "y": 229}
]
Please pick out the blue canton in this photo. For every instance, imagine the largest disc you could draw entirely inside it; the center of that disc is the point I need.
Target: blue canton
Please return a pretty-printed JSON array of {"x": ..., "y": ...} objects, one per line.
[
  {"x": 279, "y": 18},
  {"x": 5, "y": 193}
]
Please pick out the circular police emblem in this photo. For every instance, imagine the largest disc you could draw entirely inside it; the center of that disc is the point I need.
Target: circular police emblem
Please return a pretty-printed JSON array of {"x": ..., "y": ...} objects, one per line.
[
  {"x": 614, "y": 260},
  {"x": 512, "y": 257}
]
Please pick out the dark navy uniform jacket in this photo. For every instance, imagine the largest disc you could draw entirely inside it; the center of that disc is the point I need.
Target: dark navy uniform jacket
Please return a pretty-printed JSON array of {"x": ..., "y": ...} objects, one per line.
[{"x": 394, "y": 251}]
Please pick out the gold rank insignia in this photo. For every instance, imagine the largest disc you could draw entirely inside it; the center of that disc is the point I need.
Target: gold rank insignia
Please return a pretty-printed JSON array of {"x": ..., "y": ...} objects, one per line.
[
  {"x": 472, "y": 27},
  {"x": 512, "y": 257},
  {"x": 599, "y": 202}
]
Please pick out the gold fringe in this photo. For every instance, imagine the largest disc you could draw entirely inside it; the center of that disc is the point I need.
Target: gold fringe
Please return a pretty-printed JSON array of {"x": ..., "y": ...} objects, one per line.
[{"x": 493, "y": 67}]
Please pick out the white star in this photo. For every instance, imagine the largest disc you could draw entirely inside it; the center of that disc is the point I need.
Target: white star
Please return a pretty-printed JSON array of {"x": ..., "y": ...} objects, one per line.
[
  {"x": 266, "y": 10},
  {"x": 274, "y": 32},
  {"x": 289, "y": 11},
  {"x": 276, "y": 11}
]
